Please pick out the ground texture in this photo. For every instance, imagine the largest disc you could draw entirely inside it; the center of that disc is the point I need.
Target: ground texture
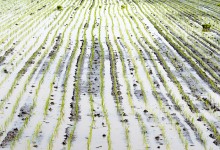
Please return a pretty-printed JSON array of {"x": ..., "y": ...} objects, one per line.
[{"x": 109, "y": 74}]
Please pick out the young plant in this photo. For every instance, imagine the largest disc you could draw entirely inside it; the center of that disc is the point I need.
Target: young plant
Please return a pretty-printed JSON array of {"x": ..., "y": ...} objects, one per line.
[
  {"x": 59, "y": 7},
  {"x": 206, "y": 27}
]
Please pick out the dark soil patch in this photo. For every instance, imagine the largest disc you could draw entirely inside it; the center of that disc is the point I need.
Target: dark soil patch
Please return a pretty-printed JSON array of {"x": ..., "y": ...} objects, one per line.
[
  {"x": 11, "y": 135},
  {"x": 24, "y": 112}
]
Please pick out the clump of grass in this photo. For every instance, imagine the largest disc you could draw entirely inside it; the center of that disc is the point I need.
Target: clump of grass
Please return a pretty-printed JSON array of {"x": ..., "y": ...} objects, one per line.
[
  {"x": 123, "y": 6},
  {"x": 206, "y": 27},
  {"x": 59, "y": 7}
]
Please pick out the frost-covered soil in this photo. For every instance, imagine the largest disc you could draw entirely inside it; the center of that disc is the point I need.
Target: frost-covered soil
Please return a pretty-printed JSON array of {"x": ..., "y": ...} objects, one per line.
[{"x": 109, "y": 74}]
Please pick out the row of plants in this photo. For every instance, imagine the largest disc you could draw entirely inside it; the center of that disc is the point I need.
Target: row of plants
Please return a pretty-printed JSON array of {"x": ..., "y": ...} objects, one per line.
[
  {"x": 173, "y": 58},
  {"x": 90, "y": 72},
  {"x": 181, "y": 15},
  {"x": 34, "y": 104},
  {"x": 76, "y": 93},
  {"x": 176, "y": 61},
  {"x": 21, "y": 57},
  {"x": 152, "y": 85},
  {"x": 187, "y": 116},
  {"x": 201, "y": 17},
  {"x": 158, "y": 97},
  {"x": 7, "y": 121},
  {"x": 190, "y": 56},
  {"x": 52, "y": 57},
  {"x": 28, "y": 63},
  {"x": 72, "y": 55},
  {"x": 140, "y": 120},
  {"x": 138, "y": 115},
  {"x": 23, "y": 32},
  {"x": 184, "y": 23},
  {"x": 114, "y": 75},
  {"x": 102, "y": 79},
  {"x": 125, "y": 73},
  {"x": 66, "y": 79}
]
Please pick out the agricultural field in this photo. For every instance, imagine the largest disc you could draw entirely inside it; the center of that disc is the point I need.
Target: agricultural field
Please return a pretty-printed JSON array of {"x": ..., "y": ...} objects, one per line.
[{"x": 110, "y": 74}]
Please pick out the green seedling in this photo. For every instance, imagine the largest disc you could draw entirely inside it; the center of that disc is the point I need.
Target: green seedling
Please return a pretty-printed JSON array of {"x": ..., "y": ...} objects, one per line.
[
  {"x": 123, "y": 6},
  {"x": 59, "y": 7},
  {"x": 206, "y": 27}
]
